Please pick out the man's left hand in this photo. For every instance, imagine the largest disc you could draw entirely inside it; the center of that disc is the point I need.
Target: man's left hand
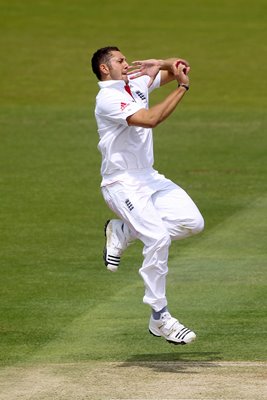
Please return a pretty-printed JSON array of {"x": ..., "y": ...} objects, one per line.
[{"x": 146, "y": 67}]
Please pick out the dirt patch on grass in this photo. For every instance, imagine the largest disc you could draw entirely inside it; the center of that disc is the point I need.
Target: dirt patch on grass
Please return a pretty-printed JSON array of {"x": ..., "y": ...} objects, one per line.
[{"x": 135, "y": 381}]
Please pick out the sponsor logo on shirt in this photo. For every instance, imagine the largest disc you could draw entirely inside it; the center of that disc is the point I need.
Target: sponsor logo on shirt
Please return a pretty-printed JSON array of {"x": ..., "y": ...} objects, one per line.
[{"x": 124, "y": 105}]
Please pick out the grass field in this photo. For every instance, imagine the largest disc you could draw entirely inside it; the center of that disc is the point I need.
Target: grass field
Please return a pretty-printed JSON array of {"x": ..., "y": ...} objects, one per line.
[{"x": 68, "y": 328}]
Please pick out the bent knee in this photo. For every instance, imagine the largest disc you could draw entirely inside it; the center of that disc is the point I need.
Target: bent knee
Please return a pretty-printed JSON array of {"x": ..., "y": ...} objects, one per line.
[{"x": 198, "y": 225}]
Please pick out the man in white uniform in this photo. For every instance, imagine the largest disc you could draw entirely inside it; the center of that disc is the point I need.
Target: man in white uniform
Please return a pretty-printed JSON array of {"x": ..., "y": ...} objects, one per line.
[{"x": 149, "y": 206}]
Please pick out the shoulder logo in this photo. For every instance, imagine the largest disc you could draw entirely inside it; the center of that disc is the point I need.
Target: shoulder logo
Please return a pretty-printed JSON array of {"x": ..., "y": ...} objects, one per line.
[{"x": 124, "y": 105}]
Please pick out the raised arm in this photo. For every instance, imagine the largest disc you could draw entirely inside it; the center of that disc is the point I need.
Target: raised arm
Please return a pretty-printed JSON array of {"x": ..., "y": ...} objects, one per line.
[
  {"x": 158, "y": 113},
  {"x": 152, "y": 67}
]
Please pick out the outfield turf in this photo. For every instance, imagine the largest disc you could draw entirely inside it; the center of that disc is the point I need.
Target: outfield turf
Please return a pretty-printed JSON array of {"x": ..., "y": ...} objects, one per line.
[{"x": 57, "y": 301}]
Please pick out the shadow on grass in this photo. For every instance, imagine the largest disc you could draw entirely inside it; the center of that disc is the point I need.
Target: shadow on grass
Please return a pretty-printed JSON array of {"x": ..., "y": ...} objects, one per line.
[{"x": 173, "y": 362}]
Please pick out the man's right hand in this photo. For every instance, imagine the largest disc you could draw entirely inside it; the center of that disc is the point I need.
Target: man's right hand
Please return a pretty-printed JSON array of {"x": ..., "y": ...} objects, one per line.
[{"x": 181, "y": 71}]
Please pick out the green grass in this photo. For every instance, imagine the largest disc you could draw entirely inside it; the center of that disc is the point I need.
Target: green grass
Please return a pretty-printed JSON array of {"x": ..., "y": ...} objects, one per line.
[{"x": 57, "y": 302}]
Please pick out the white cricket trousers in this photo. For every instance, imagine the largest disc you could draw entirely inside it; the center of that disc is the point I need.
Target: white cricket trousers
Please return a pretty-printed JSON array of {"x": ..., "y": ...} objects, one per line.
[{"x": 156, "y": 211}]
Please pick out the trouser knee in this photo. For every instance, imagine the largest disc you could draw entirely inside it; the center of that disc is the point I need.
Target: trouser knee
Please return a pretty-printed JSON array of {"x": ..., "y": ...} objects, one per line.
[
  {"x": 198, "y": 225},
  {"x": 157, "y": 245},
  {"x": 162, "y": 240}
]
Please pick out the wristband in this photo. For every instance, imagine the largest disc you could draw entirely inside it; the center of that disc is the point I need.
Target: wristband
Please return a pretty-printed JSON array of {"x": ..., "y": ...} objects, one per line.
[{"x": 184, "y": 86}]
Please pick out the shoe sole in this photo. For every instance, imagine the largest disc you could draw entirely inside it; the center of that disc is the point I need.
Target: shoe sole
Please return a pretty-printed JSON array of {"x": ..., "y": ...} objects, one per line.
[
  {"x": 182, "y": 343},
  {"x": 105, "y": 247}
]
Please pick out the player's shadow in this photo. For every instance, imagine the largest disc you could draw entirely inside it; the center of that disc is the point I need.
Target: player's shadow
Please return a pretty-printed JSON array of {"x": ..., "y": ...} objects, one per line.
[{"x": 187, "y": 362}]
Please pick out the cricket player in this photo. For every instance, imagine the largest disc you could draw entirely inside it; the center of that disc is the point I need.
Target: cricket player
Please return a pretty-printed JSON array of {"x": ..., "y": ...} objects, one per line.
[{"x": 149, "y": 206}]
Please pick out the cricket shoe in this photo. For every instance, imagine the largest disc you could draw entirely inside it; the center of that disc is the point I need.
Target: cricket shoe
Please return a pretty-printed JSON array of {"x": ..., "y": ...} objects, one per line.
[
  {"x": 116, "y": 243},
  {"x": 171, "y": 329}
]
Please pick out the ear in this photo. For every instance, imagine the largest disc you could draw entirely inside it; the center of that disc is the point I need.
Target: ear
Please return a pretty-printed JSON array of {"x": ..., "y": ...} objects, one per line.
[{"x": 104, "y": 69}]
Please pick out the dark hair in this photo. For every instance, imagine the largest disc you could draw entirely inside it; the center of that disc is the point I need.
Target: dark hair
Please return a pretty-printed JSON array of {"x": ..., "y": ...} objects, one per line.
[{"x": 101, "y": 56}]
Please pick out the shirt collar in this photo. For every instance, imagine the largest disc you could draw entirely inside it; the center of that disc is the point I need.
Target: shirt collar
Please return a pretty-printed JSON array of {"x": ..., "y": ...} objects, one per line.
[{"x": 112, "y": 84}]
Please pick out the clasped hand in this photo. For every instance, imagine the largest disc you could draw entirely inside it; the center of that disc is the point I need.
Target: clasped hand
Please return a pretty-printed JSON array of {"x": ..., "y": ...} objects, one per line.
[{"x": 151, "y": 68}]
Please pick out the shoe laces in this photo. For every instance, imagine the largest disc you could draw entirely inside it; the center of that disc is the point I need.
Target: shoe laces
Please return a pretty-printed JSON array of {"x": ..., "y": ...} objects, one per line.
[
  {"x": 170, "y": 322},
  {"x": 165, "y": 316}
]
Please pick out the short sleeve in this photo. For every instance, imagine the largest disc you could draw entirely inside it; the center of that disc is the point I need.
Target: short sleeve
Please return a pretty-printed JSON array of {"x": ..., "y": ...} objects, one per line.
[{"x": 155, "y": 84}]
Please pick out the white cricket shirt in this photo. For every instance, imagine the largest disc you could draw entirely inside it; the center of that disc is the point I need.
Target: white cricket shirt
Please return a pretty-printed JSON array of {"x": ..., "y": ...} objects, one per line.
[{"x": 124, "y": 148}]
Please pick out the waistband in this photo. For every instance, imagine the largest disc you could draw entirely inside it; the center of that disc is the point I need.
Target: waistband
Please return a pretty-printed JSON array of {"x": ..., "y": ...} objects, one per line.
[{"x": 126, "y": 174}]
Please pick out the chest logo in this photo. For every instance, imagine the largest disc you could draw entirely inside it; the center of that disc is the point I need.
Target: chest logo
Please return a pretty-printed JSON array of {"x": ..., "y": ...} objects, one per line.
[
  {"x": 124, "y": 105},
  {"x": 141, "y": 95}
]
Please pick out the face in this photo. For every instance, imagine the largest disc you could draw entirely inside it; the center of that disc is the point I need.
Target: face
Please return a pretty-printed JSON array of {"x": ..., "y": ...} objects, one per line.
[{"x": 117, "y": 67}]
